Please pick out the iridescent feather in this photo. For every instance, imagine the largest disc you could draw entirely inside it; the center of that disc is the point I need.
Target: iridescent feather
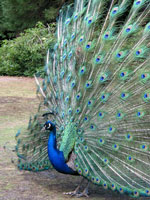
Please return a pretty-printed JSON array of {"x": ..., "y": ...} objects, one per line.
[{"x": 97, "y": 85}]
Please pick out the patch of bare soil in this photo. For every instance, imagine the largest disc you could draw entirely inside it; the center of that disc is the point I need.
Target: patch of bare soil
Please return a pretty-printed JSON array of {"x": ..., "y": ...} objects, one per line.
[
  {"x": 12, "y": 106},
  {"x": 12, "y": 78}
]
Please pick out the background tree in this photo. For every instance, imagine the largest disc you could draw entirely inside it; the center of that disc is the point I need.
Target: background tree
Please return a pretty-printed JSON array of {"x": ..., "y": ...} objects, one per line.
[
  {"x": 26, "y": 32},
  {"x": 17, "y": 15},
  {"x": 24, "y": 55}
]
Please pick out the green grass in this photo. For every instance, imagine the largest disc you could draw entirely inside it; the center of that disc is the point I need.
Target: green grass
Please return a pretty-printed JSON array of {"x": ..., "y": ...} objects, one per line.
[{"x": 17, "y": 102}]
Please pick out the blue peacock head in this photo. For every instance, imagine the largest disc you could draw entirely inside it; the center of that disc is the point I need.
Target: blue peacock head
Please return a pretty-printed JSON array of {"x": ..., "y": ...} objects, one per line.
[{"x": 49, "y": 126}]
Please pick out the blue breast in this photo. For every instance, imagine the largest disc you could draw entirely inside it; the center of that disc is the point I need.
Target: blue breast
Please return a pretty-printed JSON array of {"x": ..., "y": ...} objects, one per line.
[{"x": 57, "y": 157}]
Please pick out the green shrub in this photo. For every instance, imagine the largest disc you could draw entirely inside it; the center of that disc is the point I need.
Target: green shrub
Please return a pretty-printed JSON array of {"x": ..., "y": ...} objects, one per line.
[{"x": 24, "y": 55}]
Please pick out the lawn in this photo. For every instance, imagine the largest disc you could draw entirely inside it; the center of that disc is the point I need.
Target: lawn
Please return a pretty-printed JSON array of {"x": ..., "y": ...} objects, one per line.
[{"x": 17, "y": 102}]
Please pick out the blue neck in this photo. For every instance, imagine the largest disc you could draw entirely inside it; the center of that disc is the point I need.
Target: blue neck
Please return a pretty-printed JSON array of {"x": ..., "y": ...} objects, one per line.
[
  {"x": 52, "y": 139},
  {"x": 56, "y": 157}
]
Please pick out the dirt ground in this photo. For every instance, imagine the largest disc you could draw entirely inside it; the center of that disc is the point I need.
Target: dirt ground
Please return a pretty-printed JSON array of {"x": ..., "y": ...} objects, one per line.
[{"x": 17, "y": 102}]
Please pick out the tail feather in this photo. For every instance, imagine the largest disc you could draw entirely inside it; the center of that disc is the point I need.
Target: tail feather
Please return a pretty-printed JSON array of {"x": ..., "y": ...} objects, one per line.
[{"x": 97, "y": 78}]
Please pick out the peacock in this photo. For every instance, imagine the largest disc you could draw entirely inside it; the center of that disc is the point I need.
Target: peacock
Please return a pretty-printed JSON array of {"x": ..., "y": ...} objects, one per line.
[{"x": 93, "y": 119}]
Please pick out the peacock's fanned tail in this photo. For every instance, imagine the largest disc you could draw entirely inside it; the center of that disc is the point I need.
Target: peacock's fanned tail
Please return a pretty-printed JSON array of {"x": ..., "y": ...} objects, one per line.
[{"x": 97, "y": 84}]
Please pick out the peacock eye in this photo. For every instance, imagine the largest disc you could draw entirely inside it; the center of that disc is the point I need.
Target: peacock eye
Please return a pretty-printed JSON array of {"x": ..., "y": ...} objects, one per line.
[{"x": 49, "y": 125}]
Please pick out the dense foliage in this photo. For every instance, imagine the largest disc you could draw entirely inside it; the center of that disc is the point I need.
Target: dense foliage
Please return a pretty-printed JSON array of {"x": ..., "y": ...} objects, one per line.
[
  {"x": 17, "y": 15},
  {"x": 24, "y": 55}
]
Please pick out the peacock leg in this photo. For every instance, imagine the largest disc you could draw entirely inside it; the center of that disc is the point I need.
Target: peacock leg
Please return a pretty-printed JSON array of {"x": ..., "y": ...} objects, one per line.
[
  {"x": 85, "y": 192},
  {"x": 76, "y": 191}
]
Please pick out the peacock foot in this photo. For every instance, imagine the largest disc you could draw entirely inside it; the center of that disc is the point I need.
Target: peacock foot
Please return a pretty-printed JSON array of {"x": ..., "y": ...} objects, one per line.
[
  {"x": 83, "y": 194},
  {"x": 73, "y": 193},
  {"x": 76, "y": 193}
]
